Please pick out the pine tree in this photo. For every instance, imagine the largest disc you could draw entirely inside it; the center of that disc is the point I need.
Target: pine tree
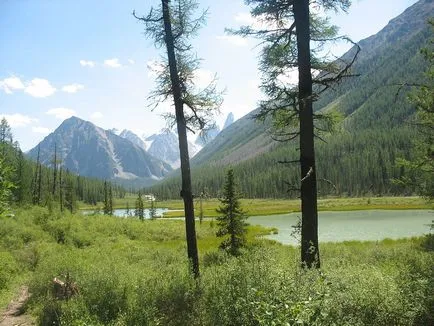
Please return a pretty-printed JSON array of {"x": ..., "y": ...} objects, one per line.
[
  {"x": 139, "y": 210},
  {"x": 290, "y": 29},
  {"x": 152, "y": 210},
  {"x": 232, "y": 221},
  {"x": 6, "y": 185},
  {"x": 128, "y": 211},
  {"x": 108, "y": 199},
  {"x": 172, "y": 27}
]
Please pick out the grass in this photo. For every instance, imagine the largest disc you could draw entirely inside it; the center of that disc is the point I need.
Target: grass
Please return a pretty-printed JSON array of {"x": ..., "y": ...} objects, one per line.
[
  {"x": 255, "y": 207},
  {"x": 132, "y": 272}
]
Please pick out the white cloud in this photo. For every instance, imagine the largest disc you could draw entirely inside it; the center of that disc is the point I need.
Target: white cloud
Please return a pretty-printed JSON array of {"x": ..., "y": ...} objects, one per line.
[
  {"x": 18, "y": 120},
  {"x": 72, "y": 88},
  {"x": 61, "y": 113},
  {"x": 41, "y": 130},
  {"x": 87, "y": 63},
  {"x": 233, "y": 39},
  {"x": 10, "y": 84},
  {"x": 96, "y": 115},
  {"x": 113, "y": 63},
  {"x": 202, "y": 77},
  {"x": 131, "y": 61},
  {"x": 39, "y": 87}
]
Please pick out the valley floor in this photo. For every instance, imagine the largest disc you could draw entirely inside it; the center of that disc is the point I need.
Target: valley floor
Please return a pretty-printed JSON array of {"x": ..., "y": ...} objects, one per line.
[
  {"x": 131, "y": 272},
  {"x": 255, "y": 207}
]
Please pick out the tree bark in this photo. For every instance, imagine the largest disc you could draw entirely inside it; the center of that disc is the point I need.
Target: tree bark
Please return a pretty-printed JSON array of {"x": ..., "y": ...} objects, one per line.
[
  {"x": 53, "y": 192},
  {"x": 309, "y": 228},
  {"x": 186, "y": 192}
]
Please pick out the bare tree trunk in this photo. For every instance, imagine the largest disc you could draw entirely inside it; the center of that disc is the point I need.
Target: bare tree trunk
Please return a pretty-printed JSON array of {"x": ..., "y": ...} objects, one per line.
[
  {"x": 186, "y": 192},
  {"x": 54, "y": 170},
  {"x": 309, "y": 227}
]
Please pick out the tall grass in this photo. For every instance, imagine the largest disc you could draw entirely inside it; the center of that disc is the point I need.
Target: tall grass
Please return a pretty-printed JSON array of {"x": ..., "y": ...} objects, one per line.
[{"x": 135, "y": 273}]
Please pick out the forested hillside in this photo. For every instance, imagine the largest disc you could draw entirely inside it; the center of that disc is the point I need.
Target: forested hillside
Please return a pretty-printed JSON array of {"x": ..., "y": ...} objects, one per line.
[{"x": 360, "y": 157}]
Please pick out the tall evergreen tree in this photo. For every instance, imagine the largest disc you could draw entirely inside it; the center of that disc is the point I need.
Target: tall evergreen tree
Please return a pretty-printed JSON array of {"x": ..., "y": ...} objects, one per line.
[
  {"x": 5, "y": 136},
  {"x": 139, "y": 208},
  {"x": 37, "y": 181},
  {"x": 172, "y": 27},
  {"x": 231, "y": 223},
  {"x": 152, "y": 210},
  {"x": 6, "y": 185},
  {"x": 289, "y": 29},
  {"x": 54, "y": 170},
  {"x": 108, "y": 199},
  {"x": 420, "y": 170}
]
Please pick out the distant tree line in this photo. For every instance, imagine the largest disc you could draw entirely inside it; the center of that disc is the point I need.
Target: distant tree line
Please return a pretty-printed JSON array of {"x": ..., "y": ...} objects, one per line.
[{"x": 349, "y": 164}]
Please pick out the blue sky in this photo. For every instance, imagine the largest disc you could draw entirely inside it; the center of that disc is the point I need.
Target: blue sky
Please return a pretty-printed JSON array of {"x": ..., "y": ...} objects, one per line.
[{"x": 89, "y": 58}]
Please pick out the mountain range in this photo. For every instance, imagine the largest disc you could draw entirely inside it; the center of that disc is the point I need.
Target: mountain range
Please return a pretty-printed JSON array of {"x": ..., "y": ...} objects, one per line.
[
  {"x": 85, "y": 149},
  {"x": 373, "y": 130},
  {"x": 358, "y": 159},
  {"x": 88, "y": 150}
]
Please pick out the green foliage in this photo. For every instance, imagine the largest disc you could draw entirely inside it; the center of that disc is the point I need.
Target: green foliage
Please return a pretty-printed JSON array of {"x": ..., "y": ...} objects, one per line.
[
  {"x": 200, "y": 104},
  {"x": 420, "y": 169},
  {"x": 231, "y": 222},
  {"x": 130, "y": 272},
  {"x": 346, "y": 167},
  {"x": 139, "y": 208},
  {"x": 6, "y": 186},
  {"x": 108, "y": 199}
]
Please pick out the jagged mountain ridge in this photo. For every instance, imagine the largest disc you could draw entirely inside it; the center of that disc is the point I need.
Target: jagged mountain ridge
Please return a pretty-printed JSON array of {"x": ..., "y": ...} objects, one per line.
[
  {"x": 229, "y": 120},
  {"x": 132, "y": 137},
  {"x": 88, "y": 150},
  {"x": 230, "y": 146},
  {"x": 165, "y": 146}
]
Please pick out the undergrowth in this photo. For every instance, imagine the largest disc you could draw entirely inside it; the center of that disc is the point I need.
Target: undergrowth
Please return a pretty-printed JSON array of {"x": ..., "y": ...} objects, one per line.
[{"x": 130, "y": 272}]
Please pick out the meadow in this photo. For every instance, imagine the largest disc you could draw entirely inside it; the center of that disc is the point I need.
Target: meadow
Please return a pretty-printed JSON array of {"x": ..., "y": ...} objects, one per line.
[
  {"x": 255, "y": 207},
  {"x": 131, "y": 272}
]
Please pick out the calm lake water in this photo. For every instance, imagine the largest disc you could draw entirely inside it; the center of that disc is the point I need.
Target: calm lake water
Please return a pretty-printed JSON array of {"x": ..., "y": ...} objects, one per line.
[
  {"x": 353, "y": 225},
  {"x": 123, "y": 212}
]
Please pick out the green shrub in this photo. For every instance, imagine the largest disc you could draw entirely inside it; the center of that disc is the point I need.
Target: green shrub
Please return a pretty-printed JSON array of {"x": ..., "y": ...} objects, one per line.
[{"x": 8, "y": 269}]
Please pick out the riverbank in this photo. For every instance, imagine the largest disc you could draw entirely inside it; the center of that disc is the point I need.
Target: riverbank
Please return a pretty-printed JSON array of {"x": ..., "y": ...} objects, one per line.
[
  {"x": 131, "y": 272},
  {"x": 255, "y": 207}
]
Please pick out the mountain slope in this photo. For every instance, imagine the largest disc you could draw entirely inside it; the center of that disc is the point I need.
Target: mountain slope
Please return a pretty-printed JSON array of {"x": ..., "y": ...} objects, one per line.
[
  {"x": 88, "y": 150},
  {"x": 374, "y": 132},
  {"x": 132, "y": 137},
  {"x": 165, "y": 146},
  {"x": 229, "y": 120}
]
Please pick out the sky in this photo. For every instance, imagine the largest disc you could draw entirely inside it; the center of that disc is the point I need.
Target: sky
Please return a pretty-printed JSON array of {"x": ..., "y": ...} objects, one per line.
[{"x": 90, "y": 59}]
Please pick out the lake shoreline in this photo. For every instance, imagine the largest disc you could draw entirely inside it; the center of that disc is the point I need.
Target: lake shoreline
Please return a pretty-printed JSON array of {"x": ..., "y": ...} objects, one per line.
[{"x": 260, "y": 207}]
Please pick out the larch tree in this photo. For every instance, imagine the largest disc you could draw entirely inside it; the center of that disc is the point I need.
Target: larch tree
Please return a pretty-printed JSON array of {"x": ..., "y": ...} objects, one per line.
[
  {"x": 172, "y": 26},
  {"x": 287, "y": 29}
]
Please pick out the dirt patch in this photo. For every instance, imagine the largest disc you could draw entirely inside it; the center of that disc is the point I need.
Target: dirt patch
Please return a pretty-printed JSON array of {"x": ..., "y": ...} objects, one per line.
[{"x": 14, "y": 314}]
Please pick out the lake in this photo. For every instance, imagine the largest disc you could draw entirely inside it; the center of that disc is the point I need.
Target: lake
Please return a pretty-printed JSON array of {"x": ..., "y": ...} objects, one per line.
[
  {"x": 123, "y": 212},
  {"x": 353, "y": 225},
  {"x": 369, "y": 225}
]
